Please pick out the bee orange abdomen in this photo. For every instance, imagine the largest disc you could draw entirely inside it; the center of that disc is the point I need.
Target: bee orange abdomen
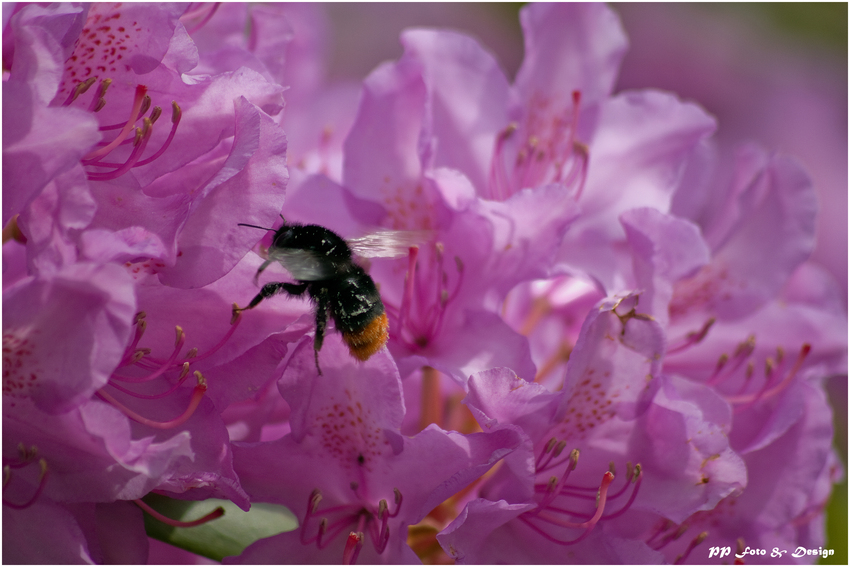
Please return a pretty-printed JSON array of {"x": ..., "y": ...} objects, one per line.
[{"x": 368, "y": 340}]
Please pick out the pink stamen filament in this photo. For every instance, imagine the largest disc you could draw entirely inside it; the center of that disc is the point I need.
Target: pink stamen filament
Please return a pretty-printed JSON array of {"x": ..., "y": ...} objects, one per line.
[
  {"x": 141, "y": 91},
  {"x": 663, "y": 526},
  {"x": 694, "y": 542},
  {"x": 406, "y": 298},
  {"x": 527, "y": 517},
  {"x": 176, "y": 114},
  {"x": 554, "y": 492},
  {"x": 764, "y": 393},
  {"x": 171, "y": 390},
  {"x": 329, "y": 533},
  {"x": 367, "y": 517},
  {"x": 671, "y": 536},
  {"x": 693, "y": 337},
  {"x": 555, "y": 462},
  {"x": 217, "y": 513},
  {"x": 138, "y": 149},
  {"x": 210, "y": 352},
  {"x": 498, "y": 173},
  {"x": 146, "y": 104},
  {"x": 42, "y": 480},
  {"x": 742, "y": 354},
  {"x": 197, "y": 395},
  {"x": 631, "y": 500},
  {"x": 420, "y": 317},
  {"x": 546, "y": 453},
  {"x": 380, "y": 535},
  {"x": 130, "y": 351},
  {"x": 178, "y": 345}
]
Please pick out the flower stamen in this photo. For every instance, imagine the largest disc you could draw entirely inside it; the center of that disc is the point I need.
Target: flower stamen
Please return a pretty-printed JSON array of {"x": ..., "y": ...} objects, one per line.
[
  {"x": 141, "y": 92},
  {"x": 694, "y": 542},
  {"x": 42, "y": 480},
  {"x": 79, "y": 89},
  {"x": 197, "y": 394},
  {"x": 217, "y": 513},
  {"x": 587, "y": 526}
]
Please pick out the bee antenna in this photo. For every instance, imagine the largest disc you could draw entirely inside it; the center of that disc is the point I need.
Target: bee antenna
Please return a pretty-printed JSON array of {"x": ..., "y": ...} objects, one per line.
[{"x": 253, "y": 226}]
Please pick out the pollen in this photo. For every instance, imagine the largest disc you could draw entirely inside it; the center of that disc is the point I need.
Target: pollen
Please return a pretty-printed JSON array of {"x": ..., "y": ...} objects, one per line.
[{"x": 369, "y": 340}]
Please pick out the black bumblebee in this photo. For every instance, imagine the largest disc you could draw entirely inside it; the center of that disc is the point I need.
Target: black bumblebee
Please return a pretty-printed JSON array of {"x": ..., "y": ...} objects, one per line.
[{"x": 321, "y": 262}]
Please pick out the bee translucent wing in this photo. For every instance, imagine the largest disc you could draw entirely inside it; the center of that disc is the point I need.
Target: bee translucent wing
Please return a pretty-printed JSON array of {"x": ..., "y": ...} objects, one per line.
[
  {"x": 387, "y": 243},
  {"x": 302, "y": 264}
]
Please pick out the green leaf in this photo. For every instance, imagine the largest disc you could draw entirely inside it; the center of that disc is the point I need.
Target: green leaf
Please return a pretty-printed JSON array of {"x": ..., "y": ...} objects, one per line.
[{"x": 223, "y": 537}]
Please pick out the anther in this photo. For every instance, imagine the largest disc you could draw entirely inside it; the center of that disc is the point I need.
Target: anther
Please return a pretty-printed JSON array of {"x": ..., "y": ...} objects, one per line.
[
  {"x": 559, "y": 448},
  {"x": 80, "y": 89},
  {"x": 146, "y": 104},
  {"x": 769, "y": 366},
  {"x": 155, "y": 114},
  {"x": 315, "y": 499}
]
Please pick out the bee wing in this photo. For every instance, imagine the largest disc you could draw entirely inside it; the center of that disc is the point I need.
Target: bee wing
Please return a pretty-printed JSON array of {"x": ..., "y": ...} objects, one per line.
[
  {"x": 302, "y": 264},
  {"x": 387, "y": 243}
]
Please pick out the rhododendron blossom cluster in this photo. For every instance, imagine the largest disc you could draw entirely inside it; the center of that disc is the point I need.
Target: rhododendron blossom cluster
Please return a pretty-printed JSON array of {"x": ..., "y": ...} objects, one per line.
[{"x": 605, "y": 346}]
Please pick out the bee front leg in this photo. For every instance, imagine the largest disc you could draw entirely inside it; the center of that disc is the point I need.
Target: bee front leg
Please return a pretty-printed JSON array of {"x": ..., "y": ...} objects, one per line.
[
  {"x": 321, "y": 325},
  {"x": 273, "y": 288}
]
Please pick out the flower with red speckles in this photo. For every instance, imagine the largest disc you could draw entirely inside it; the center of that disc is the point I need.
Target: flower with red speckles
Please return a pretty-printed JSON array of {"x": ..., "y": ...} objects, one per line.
[
  {"x": 110, "y": 205},
  {"x": 750, "y": 343},
  {"x": 165, "y": 182},
  {"x": 366, "y": 482},
  {"x": 619, "y": 440},
  {"x": 639, "y": 347}
]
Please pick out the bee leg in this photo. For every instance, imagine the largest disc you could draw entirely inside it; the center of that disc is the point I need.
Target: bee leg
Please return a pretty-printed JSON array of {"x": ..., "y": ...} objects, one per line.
[
  {"x": 321, "y": 324},
  {"x": 260, "y": 270},
  {"x": 272, "y": 288}
]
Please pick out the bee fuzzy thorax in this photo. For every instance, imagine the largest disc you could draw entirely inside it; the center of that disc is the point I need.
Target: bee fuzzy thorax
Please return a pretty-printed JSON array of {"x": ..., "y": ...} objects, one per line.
[{"x": 365, "y": 342}]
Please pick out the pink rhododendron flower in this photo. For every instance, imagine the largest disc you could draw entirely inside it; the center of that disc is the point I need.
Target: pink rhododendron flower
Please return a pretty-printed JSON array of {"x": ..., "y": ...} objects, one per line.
[
  {"x": 367, "y": 482},
  {"x": 636, "y": 336}
]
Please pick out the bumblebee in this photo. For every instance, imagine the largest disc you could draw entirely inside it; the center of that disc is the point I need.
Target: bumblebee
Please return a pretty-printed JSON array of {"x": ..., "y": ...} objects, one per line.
[{"x": 322, "y": 265}]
